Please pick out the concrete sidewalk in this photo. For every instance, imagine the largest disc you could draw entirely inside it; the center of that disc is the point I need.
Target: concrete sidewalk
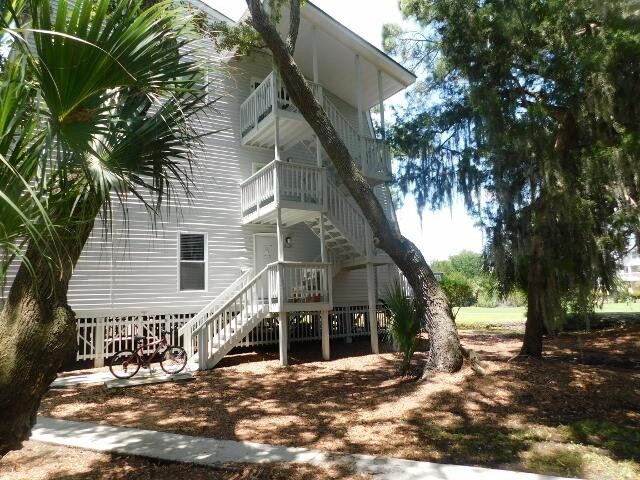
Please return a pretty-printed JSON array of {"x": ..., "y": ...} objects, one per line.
[
  {"x": 143, "y": 377},
  {"x": 209, "y": 451}
]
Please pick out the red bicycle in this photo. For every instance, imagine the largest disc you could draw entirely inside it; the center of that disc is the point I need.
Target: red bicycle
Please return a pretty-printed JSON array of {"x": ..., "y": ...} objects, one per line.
[{"x": 126, "y": 363}]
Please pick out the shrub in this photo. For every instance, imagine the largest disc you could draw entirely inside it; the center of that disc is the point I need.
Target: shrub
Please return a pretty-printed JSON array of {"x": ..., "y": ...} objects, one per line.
[
  {"x": 405, "y": 326},
  {"x": 458, "y": 289}
]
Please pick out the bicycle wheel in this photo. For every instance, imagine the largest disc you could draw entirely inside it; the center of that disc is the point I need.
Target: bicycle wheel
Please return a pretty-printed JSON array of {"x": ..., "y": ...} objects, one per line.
[
  {"x": 174, "y": 359},
  {"x": 125, "y": 364}
]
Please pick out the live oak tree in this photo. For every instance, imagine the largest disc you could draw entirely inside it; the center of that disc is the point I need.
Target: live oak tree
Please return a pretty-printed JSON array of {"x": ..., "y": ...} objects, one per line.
[
  {"x": 98, "y": 112},
  {"x": 528, "y": 109},
  {"x": 445, "y": 351}
]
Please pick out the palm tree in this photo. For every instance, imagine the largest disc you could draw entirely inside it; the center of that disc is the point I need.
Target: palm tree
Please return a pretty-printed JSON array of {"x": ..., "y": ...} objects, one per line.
[{"x": 111, "y": 95}]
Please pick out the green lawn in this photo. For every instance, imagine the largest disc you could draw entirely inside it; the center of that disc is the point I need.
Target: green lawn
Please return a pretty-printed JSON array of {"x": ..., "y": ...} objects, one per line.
[
  {"x": 619, "y": 308},
  {"x": 472, "y": 318},
  {"x": 478, "y": 318}
]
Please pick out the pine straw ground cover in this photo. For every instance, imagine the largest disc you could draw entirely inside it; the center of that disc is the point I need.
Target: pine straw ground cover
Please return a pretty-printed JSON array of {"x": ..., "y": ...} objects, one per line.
[
  {"x": 39, "y": 461},
  {"x": 575, "y": 414}
]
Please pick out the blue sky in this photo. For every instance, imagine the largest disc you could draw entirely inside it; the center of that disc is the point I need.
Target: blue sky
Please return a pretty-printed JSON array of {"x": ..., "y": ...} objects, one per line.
[{"x": 438, "y": 234}]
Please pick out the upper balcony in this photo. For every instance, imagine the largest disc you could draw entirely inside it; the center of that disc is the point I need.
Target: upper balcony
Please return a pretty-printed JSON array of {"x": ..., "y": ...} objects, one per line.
[
  {"x": 258, "y": 125},
  {"x": 299, "y": 193}
]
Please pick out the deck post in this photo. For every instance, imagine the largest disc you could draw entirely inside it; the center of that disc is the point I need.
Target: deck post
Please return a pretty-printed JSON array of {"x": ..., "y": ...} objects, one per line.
[
  {"x": 372, "y": 292},
  {"x": 99, "y": 341},
  {"x": 383, "y": 130},
  {"x": 381, "y": 103},
  {"x": 275, "y": 107},
  {"x": 316, "y": 80},
  {"x": 326, "y": 353},
  {"x": 358, "y": 86},
  {"x": 323, "y": 246},
  {"x": 373, "y": 311},
  {"x": 283, "y": 330}
]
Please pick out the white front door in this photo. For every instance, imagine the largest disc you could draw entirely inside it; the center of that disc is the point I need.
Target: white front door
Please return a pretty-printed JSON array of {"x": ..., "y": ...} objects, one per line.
[{"x": 266, "y": 252}]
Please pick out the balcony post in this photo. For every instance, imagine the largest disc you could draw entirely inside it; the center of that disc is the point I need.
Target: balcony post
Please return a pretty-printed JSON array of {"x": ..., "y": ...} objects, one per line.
[
  {"x": 283, "y": 319},
  {"x": 316, "y": 80},
  {"x": 323, "y": 246},
  {"x": 383, "y": 129},
  {"x": 326, "y": 353},
  {"x": 372, "y": 292},
  {"x": 358, "y": 86},
  {"x": 275, "y": 107}
]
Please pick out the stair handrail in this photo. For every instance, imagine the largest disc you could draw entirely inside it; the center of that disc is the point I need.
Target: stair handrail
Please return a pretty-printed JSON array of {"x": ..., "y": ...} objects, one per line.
[
  {"x": 347, "y": 217},
  {"x": 356, "y": 142},
  {"x": 230, "y": 302},
  {"x": 249, "y": 284},
  {"x": 212, "y": 304},
  {"x": 390, "y": 211}
]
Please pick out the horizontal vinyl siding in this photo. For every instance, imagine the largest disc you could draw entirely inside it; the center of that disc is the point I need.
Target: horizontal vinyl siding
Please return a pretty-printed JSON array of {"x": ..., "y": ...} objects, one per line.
[
  {"x": 350, "y": 286},
  {"x": 135, "y": 269},
  {"x": 142, "y": 274}
]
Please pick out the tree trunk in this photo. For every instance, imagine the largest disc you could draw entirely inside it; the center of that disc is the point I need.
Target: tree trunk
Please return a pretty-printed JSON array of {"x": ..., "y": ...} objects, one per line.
[
  {"x": 37, "y": 333},
  {"x": 537, "y": 307},
  {"x": 445, "y": 350}
]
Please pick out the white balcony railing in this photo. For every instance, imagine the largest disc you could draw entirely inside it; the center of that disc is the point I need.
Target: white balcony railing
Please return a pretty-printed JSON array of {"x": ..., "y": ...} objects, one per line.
[
  {"x": 371, "y": 154},
  {"x": 301, "y": 186},
  {"x": 302, "y": 283},
  {"x": 291, "y": 185}
]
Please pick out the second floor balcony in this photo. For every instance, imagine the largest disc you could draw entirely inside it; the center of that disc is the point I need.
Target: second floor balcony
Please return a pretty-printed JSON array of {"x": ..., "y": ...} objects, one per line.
[{"x": 270, "y": 102}]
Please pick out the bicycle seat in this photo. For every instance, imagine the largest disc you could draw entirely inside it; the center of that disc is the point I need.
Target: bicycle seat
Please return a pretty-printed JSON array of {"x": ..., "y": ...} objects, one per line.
[{"x": 139, "y": 339}]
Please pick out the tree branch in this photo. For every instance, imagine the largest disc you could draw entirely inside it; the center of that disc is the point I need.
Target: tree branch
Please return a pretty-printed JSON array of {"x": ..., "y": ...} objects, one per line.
[{"x": 294, "y": 26}]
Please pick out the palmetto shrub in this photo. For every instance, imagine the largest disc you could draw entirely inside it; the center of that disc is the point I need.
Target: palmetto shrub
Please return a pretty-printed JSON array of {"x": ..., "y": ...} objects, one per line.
[{"x": 405, "y": 326}]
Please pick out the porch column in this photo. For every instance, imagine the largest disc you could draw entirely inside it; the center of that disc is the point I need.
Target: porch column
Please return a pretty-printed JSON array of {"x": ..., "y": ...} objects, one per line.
[
  {"x": 98, "y": 361},
  {"x": 383, "y": 130},
  {"x": 363, "y": 157},
  {"x": 323, "y": 246},
  {"x": 324, "y": 316},
  {"x": 275, "y": 107},
  {"x": 316, "y": 79},
  {"x": 283, "y": 321},
  {"x": 283, "y": 328},
  {"x": 372, "y": 293}
]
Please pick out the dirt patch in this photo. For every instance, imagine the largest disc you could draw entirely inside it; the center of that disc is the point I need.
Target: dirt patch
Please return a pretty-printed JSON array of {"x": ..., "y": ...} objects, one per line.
[
  {"x": 356, "y": 404},
  {"x": 39, "y": 461}
]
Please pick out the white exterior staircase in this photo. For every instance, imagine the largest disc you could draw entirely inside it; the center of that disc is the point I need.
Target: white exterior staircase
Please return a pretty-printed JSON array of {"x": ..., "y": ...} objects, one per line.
[
  {"x": 300, "y": 192},
  {"x": 227, "y": 320}
]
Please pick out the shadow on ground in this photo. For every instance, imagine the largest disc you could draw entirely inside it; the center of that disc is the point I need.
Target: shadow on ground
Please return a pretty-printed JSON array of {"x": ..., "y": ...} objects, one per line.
[{"x": 557, "y": 416}]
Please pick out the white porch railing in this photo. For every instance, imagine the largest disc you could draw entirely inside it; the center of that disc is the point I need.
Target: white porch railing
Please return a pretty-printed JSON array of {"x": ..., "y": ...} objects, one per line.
[
  {"x": 306, "y": 187},
  {"x": 301, "y": 183},
  {"x": 306, "y": 283},
  {"x": 258, "y": 192},
  {"x": 296, "y": 185},
  {"x": 259, "y": 104},
  {"x": 347, "y": 218},
  {"x": 188, "y": 328},
  {"x": 278, "y": 285},
  {"x": 101, "y": 337},
  {"x": 370, "y": 153}
]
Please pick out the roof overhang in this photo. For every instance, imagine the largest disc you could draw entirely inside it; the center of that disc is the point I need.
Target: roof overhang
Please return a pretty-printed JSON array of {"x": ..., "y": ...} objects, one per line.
[{"x": 337, "y": 47}]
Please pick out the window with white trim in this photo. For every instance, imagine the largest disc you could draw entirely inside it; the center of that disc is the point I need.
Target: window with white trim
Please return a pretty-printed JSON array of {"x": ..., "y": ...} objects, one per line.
[{"x": 193, "y": 262}]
